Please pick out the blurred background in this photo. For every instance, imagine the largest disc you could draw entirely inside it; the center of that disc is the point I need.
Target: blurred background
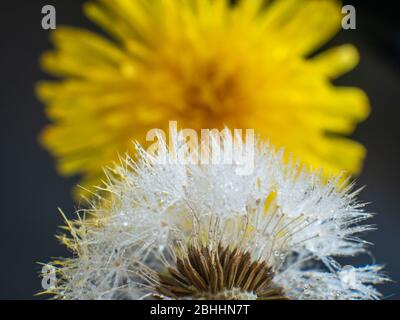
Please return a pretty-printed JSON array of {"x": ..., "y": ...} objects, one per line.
[{"x": 31, "y": 190}]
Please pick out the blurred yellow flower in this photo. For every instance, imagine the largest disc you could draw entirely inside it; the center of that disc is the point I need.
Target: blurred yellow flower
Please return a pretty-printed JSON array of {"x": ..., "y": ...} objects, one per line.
[{"x": 206, "y": 64}]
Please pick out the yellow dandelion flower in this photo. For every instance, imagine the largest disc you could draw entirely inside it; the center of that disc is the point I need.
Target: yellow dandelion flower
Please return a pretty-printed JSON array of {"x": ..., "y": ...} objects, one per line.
[{"x": 206, "y": 64}]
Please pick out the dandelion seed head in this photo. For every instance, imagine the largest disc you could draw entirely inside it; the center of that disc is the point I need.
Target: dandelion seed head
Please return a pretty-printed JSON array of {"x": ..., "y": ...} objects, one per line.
[{"x": 195, "y": 231}]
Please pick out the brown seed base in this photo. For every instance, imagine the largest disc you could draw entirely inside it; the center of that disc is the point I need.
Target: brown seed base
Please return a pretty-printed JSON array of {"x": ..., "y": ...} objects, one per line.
[{"x": 218, "y": 274}]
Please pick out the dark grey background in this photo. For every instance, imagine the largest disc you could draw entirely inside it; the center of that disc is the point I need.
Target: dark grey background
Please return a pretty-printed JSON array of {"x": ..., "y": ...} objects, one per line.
[{"x": 31, "y": 190}]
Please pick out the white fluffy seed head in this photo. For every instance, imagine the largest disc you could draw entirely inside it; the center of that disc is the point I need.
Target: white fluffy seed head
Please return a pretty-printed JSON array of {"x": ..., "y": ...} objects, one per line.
[{"x": 280, "y": 213}]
